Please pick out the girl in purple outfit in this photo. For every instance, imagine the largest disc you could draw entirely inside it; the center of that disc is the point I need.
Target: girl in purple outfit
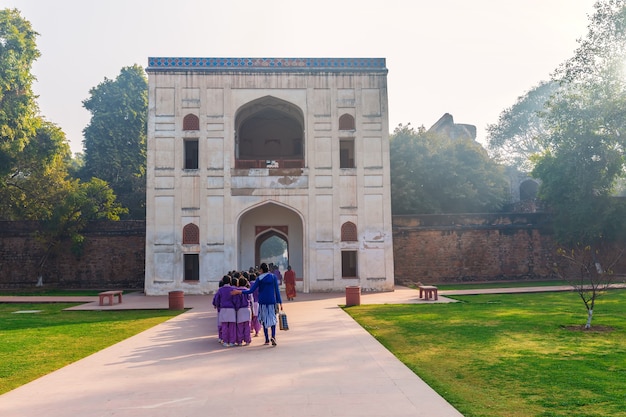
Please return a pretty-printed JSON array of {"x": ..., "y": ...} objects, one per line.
[
  {"x": 254, "y": 322},
  {"x": 225, "y": 280},
  {"x": 227, "y": 314},
  {"x": 242, "y": 303}
]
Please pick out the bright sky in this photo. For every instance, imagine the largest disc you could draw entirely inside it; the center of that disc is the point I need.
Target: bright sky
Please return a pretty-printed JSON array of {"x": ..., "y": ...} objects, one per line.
[{"x": 469, "y": 58}]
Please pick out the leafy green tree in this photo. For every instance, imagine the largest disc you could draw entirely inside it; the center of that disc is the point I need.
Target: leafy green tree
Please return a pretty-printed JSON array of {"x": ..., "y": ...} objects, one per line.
[
  {"x": 579, "y": 169},
  {"x": 39, "y": 179},
  {"x": 35, "y": 156},
  {"x": 431, "y": 173},
  {"x": 115, "y": 139},
  {"x": 600, "y": 55},
  {"x": 33, "y": 152},
  {"x": 518, "y": 134},
  {"x": 18, "y": 109},
  {"x": 83, "y": 202},
  {"x": 586, "y": 124},
  {"x": 584, "y": 153}
]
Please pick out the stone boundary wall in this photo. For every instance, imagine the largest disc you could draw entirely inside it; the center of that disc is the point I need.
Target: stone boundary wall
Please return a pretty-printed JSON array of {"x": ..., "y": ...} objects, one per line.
[
  {"x": 468, "y": 247},
  {"x": 113, "y": 257},
  {"x": 427, "y": 248}
]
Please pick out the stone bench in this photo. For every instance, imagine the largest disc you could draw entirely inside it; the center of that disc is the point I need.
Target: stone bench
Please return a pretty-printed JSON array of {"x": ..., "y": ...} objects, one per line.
[
  {"x": 110, "y": 295},
  {"x": 428, "y": 292}
]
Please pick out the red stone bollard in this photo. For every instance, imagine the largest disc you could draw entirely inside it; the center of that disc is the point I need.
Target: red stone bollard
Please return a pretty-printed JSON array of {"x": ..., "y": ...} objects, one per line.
[
  {"x": 177, "y": 300},
  {"x": 353, "y": 296}
]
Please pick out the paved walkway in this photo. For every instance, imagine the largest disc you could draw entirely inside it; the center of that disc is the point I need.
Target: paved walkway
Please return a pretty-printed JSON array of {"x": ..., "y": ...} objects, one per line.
[{"x": 326, "y": 365}]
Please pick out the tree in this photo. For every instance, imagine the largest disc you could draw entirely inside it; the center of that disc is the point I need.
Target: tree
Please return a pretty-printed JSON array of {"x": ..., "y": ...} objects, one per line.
[
  {"x": 431, "y": 173},
  {"x": 39, "y": 179},
  {"x": 600, "y": 55},
  {"x": 517, "y": 135},
  {"x": 581, "y": 267},
  {"x": 584, "y": 152},
  {"x": 18, "y": 109},
  {"x": 33, "y": 152},
  {"x": 35, "y": 156},
  {"x": 115, "y": 139},
  {"x": 84, "y": 202}
]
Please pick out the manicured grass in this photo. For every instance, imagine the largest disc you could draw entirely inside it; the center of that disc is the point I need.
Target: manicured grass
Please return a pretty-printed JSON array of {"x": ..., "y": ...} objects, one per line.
[
  {"x": 513, "y": 355},
  {"x": 52, "y": 292},
  {"x": 35, "y": 344},
  {"x": 511, "y": 284},
  {"x": 500, "y": 284}
]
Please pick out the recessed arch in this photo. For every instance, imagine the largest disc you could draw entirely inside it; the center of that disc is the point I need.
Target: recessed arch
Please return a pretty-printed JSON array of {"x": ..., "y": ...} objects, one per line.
[
  {"x": 349, "y": 232},
  {"x": 346, "y": 122},
  {"x": 191, "y": 234},
  {"x": 191, "y": 122},
  {"x": 269, "y": 129}
]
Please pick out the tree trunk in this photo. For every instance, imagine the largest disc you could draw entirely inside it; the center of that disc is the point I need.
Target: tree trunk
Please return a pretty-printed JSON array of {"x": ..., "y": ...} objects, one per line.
[{"x": 589, "y": 317}]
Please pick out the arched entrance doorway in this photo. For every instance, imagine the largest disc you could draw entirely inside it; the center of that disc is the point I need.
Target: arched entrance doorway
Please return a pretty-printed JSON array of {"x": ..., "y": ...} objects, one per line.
[
  {"x": 272, "y": 246},
  {"x": 271, "y": 223},
  {"x": 528, "y": 190}
]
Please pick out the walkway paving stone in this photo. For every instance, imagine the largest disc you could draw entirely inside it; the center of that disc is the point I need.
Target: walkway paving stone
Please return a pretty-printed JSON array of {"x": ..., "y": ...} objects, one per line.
[{"x": 326, "y": 365}]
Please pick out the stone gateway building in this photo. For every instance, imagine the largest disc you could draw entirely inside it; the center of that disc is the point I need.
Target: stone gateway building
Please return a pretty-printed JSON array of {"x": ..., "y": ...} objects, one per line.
[{"x": 245, "y": 150}]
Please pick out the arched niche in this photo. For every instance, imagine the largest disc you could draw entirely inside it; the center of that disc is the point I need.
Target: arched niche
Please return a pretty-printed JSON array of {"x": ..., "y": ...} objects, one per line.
[
  {"x": 346, "y": 122},
  {"x": 269, "y": 133}
]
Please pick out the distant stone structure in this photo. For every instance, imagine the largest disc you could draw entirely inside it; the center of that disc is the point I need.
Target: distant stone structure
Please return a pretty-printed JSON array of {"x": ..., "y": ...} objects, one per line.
[
  {"x": 524, "y": 190},
  {"x": 446, "y": 126},
  {"x": 242, "y": 150}
]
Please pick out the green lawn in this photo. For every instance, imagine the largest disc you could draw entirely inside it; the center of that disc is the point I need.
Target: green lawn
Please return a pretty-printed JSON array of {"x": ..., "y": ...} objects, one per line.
[
  {"x": 512, "y": 355},
  {"x": 500, "y": 284},
  {"x": 52, "y": 292},
  {"x": 35, "y": 344}
]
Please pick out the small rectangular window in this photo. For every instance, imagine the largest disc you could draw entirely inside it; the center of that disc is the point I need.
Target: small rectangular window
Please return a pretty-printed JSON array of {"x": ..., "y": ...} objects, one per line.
[
  {"x": 348, "y": 264},
  {"x": 191, "y": 154},
  {"x": 346, "y": 153},
  {"x": 192, "y": 267}
]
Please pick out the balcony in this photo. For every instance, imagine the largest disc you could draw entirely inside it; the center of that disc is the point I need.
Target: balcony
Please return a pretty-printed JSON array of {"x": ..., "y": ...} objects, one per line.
[{"x": 269, "y": 164}]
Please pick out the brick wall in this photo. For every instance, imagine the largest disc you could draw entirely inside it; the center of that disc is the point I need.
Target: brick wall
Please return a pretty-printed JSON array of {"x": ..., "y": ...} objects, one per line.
[
  {"x": 427, "y": 248},
  {"x": 113, "y": 257},
  {"x": 461, "y": 248}
]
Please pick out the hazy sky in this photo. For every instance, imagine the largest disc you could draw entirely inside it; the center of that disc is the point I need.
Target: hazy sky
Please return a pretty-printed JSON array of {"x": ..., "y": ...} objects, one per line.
[{"x": 471, "y": 59}]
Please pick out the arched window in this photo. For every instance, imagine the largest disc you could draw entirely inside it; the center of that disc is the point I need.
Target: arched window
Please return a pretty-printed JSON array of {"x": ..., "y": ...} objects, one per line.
[
  {"x": 191, "y": 122},
  {"x": 348, "y": 232},
  {"x": 191, "y": 234},
  {"x": 346, "y": 122}
]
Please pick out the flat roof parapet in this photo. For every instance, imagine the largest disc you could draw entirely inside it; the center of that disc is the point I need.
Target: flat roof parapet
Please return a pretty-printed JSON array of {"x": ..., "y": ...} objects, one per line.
[{"x": 267, "y": 64}]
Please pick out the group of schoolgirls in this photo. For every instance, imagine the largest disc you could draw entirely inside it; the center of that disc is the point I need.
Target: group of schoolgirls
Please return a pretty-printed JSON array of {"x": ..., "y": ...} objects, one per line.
[
  {"x": 245, "y": 302},
  {"x": 235, "y": 313}
]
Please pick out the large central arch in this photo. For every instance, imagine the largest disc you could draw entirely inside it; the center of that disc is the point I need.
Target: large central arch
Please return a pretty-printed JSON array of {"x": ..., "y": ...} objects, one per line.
[{"x": 268, "y": 219}]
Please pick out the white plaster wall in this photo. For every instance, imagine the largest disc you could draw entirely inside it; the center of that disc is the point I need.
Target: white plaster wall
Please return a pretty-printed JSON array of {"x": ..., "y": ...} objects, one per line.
[{"x": 228, "y": 205}]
